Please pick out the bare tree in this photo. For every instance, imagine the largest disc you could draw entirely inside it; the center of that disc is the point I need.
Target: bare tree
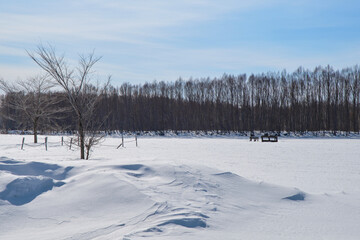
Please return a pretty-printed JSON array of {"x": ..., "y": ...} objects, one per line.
[
  {"x": 31, "y": 99},
  {"x": 76, "y": 82}
]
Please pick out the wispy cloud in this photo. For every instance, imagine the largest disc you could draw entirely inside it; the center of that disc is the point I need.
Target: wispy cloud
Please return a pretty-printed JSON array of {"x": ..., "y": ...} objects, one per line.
[
  {"x": 11, "y": 72},
  {"x": 12, "y": 51},
  {"x": 155, "y": 39},
  {"x": 113, "y": 20}
]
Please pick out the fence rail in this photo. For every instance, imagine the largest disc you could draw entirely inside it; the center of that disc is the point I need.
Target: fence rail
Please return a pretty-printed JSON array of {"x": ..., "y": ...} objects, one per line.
[{"x": 71, "y": 143}]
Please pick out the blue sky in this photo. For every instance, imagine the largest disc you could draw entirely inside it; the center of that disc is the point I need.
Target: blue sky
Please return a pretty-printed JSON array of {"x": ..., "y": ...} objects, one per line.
[{"x": 146, "y": 40}]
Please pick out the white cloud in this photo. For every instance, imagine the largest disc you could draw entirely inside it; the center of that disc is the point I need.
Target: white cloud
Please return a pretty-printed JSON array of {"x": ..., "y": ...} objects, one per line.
[
  {"x": 135, "y": 37},
  {"x": 170, "y": 63},
  {"x": 113, "y": 20},
  {"x": 12, "y": 51},
  {"x": 14, "y": 72}
]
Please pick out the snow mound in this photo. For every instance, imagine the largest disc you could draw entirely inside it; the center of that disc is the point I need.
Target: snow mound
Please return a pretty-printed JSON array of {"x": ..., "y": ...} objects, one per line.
[
  {"x": 34, "y": 169},
  {"x": 297, "y": 197},
  {"x": 182, "y": 189},
  {"x": 24, "y": 190},
  {"x": 186, "y": 222},
  {"x": 133, "y": 167},
  {"x": 187, "y": 197},
  {"x": 8, "y": 160},
  {"x": 132, "y": 200},
  {"x": 137, "y": 170}
]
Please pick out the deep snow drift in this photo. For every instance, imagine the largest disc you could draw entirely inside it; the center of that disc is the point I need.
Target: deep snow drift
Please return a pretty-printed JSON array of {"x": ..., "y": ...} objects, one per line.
[{"x": 176, "y": 188}]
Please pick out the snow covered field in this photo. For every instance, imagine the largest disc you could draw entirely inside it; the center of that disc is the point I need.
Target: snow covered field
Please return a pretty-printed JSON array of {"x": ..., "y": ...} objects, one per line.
[{"x": 181, "y": 188}]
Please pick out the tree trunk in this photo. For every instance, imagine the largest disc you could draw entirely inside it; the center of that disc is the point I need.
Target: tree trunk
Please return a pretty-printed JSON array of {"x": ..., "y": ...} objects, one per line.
[
  {"x": 82, "y": 139},
  {"x": 87, "y": 152},
  {"x": 35, "y": 130}
]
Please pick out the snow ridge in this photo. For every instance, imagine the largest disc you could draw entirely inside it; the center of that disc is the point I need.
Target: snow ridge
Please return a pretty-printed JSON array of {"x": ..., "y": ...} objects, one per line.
[{"x": 173, "y": 188}]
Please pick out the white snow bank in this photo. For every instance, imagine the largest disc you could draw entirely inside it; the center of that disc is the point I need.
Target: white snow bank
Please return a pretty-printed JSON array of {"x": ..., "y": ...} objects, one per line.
[
  {"x": 181, "y": 189},
  {"x": 23, "y": 190},
  {"x": 132, "y": 200}
]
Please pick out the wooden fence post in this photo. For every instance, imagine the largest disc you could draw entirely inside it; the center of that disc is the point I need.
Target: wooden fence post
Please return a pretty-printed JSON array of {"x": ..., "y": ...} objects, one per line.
[
  {"x": 70, "y": 143},
  {"x": 22, "y": 145},
  {"x": 62, "y": 141},
  {"x": 136, "y": 140},
  {"x": 122, "y": 142},
  {"x": 46, "y": 141}
]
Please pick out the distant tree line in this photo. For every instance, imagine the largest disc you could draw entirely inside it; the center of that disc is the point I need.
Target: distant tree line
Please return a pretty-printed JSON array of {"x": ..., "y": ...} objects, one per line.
[{"x": 320, "y": 100}]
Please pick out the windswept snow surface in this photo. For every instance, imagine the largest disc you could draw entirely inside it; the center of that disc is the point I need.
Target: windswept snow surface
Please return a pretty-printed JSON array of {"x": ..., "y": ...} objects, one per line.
[{"x": 181, "y": 188}]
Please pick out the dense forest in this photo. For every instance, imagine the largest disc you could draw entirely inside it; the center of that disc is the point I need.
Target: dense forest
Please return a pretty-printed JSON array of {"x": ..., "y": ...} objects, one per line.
[{"x": 322, "y": 99}]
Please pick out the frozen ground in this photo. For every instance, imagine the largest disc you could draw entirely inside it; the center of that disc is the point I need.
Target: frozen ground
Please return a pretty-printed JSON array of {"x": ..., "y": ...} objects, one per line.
[{"x": 181, "y": 188}]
